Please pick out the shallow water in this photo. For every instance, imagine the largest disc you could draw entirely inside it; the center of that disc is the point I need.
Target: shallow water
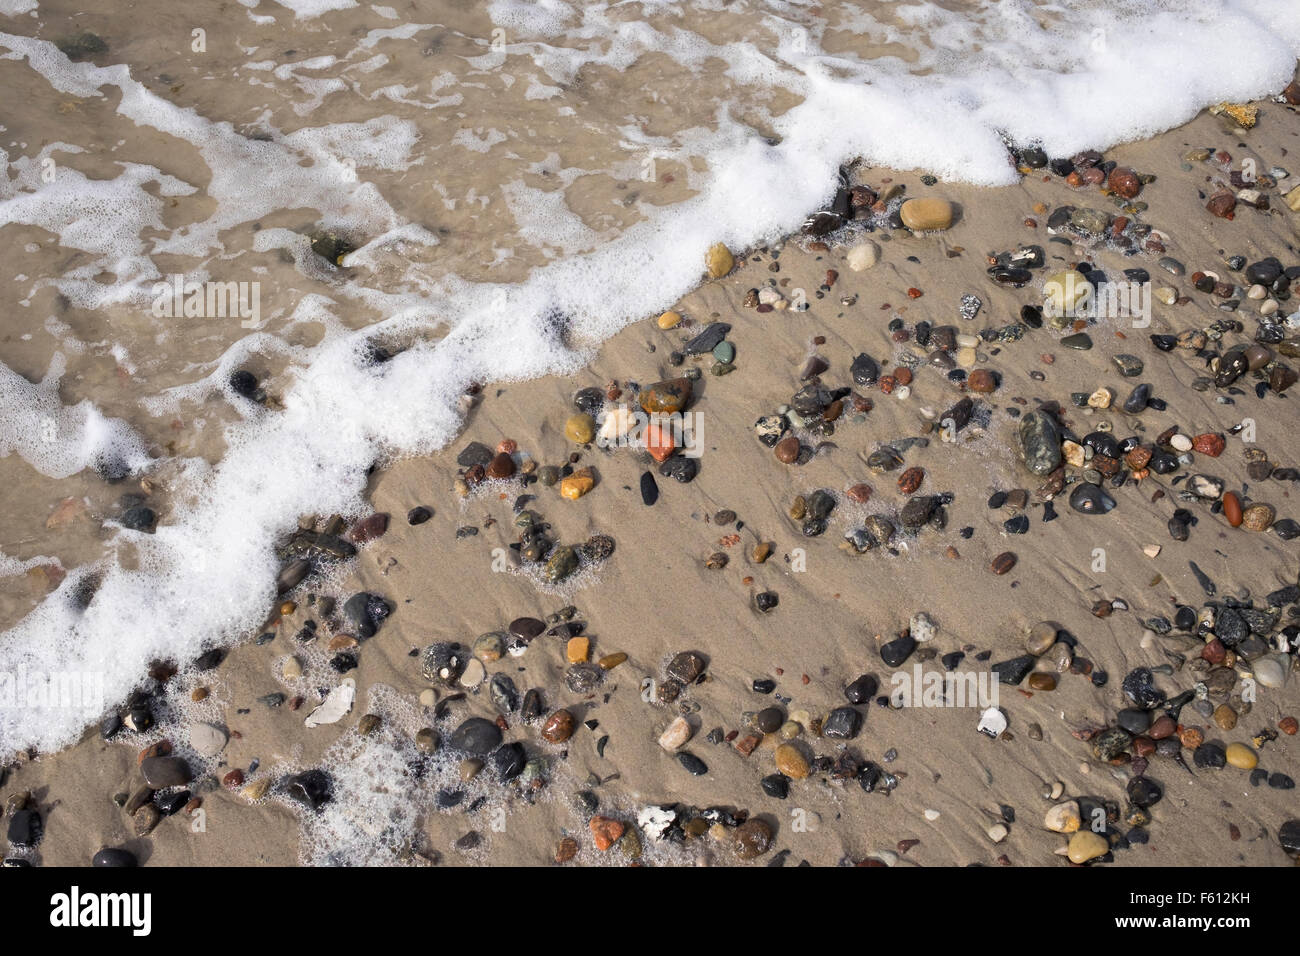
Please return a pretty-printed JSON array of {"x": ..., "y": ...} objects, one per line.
[{"x": 517, "y": 181}]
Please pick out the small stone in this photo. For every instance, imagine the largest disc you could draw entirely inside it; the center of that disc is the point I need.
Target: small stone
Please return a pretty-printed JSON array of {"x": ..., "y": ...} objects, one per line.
[
  {"x": 1241, "y": 756},
  {"x": 1086, "y": 845},
  {"x": 676, "y": 735},
  {"x": 580, "y": 428},
  {"x": 558, "y": 727},
  {"x": 718, "y": 260},
  {"x": 863, "y": 256},
  {"x": 1064, "y": 817},
  {"x": 926, "y": 215},
  {"x": 751, "y": 839},
  {"x": 791, "y": 762}
]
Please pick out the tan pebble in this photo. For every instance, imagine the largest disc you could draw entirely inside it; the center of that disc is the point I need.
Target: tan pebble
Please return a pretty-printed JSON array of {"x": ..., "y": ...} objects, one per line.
[
  {"x": 677, "y": 734},
  {"x": 1086, "y": 845},
  {"x": 791, "y": 762},
  {"x": 1241, "y": 757}
]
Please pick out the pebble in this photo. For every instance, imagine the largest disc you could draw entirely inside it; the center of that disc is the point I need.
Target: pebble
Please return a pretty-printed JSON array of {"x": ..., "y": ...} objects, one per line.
[
  {"x": 676, "y": 735},
  {"x": 926, "y": 215},
  {"x": 1086, "y": 845},
  {"x": 791, "y": 761}
]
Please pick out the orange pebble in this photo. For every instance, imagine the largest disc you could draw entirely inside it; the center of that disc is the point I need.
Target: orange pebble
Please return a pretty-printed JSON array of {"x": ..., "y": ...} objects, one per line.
[
  {"x": 1232, "y": 509},
  {"x": 605, "y": 832},
  {"x": 659, "y": 442}
]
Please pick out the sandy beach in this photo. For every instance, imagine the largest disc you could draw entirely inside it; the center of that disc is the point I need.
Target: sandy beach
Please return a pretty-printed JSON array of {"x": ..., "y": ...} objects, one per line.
[
  {"x": 533, "y": 646},
  {"x": 946, "y": 788}
]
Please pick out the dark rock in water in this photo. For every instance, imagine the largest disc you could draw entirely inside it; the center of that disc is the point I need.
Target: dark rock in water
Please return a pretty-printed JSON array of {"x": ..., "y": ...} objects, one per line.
[
  {"x": 1288, "y": 834},
  {"x": 1286, "y": 529},
  {"x": 244, "y": 384},
  {"x": 476, "y": 736},
  {"x": 140, "y": 518},
  {"x": 1203, "y": 579},
  {"x": 366, "y": 612},
  {"x": 959, "y": 414},
  {"x": 532, "y": 708},
  {"x": 1133, "y": 720},
  {"x": 583, "y": 678},
  {"x": 680, "y": 468},
  {"x": 865, "y": 370},
  {"x": 1040, "y": 442},
  {"x": 312, "y": 788},
  {"x": 1265, "y": 272},
  {"x": 766, "y": 600},
  {"x": 1015, "y": 670},
  {"x": 163, "y": 772},
  {"x": 504, "y": 694},
  {"x": 113, "y": 857},
  {"x": 1144, "y": 792},
  {"x": 1090, "y": 499},
  {"x": 1232, "y": 365},
  {"x": 1110, "y": 743},
  {"x": 509, "y": 760},
  {"x": 477, "y": 453},
  {"x": 776, "y": 785},
  {"x": 1139, "y": 687},
  {"x": 331, "y": 248},
  {"x": 1103, "y": 443},
  {"x": 1210, "y": 756},
  {"x": 869, "y": 778},
  {"x": 1079, "y": 341},
  {"x": 843, "y": 723},
  {"x": 1138, "y": 399},
  {"x": 692, "y": 764},
  {"x": 707, "y": 340},
  {"x": 527, "y": 627},
  {"x": 292, "y": 574},
  {"x": 418, "y": 515},
  {"x": 649, "y": 488},
  {"x": 1230, "y": 627},
  {"x": 895, "y": 652},
  {"x": 1284, "y": 596},
  {"x": 444, "y": 661},
  {"x": 82, "y": 46},
  {"x": 918, "y": 510},
  {"x": 1178, "y": 529},
  {"x": 209, "y": 660},
  {"x": 822, "y": 223},
  {"x": 686, "y": 667},
  {"x": 173, "y": 803},
  {"x": 25, "y": 829},
  {"x": 110, "y": 726},
  {"x": 862, "y": 690}
]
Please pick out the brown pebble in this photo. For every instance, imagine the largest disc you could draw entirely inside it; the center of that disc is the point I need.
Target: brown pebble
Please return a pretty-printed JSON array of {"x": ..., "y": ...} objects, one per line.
[
  {"x": 558, "y": 727},
  {"x": 787, "y": 450},
  {"x": 1003, "y": 563},
  {"x": 1042, "y": 681}
]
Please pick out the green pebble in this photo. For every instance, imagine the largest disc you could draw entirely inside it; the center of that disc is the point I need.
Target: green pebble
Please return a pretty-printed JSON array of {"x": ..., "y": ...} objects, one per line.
[{"x": 724, "y": 352}]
